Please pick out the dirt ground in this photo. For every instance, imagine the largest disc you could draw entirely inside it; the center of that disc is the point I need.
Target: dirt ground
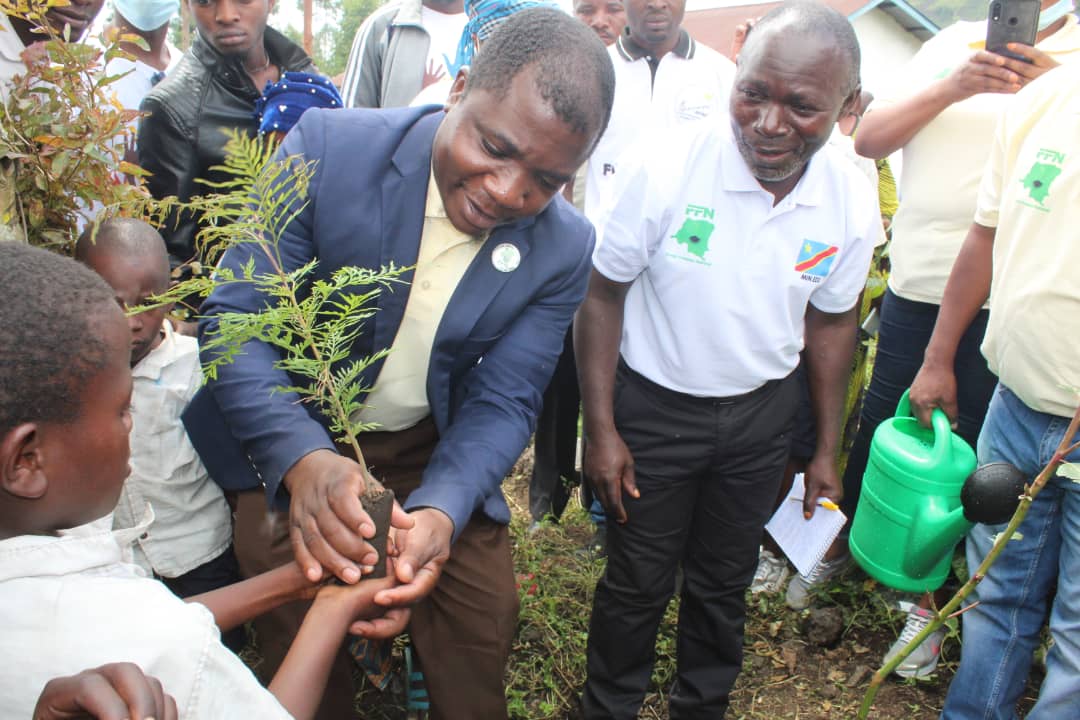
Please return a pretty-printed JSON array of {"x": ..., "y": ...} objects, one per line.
[{"x": 786, "y": 675}]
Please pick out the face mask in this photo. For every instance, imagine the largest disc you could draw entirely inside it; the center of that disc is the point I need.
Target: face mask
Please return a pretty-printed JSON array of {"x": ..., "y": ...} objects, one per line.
[
  {"x": 1055, "y": 12},
  {"x": 147, "y": 15}
]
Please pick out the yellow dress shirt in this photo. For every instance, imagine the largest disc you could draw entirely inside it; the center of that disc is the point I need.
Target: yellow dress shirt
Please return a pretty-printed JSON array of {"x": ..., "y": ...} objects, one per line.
[{"x": 399, "y": 398}]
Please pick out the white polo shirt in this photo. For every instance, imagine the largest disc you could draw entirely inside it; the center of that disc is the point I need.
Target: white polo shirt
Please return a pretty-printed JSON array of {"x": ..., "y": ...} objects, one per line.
[
  {"x": 691, "y": 83},
  {"x": 721, "y": 278}
]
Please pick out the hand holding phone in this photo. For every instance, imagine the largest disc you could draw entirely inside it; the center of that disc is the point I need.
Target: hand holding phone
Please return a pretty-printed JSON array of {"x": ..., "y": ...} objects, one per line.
[{"x": 1011, "y": 21}]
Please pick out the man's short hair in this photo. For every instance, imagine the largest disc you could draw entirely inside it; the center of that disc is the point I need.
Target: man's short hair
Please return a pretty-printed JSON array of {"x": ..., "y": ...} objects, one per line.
[
  {"x": 573, "y": 70},
  {"x": 807, "y": 17},
  {"x": 49, "y": 344}
]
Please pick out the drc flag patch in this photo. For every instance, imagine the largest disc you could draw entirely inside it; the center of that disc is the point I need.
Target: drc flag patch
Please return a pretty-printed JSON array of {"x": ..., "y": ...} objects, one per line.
[{"x": 815, "y": 259}]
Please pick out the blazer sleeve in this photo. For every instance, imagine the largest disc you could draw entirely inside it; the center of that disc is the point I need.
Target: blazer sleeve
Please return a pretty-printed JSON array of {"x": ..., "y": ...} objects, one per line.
[
  {"x": 169, "y": 154},
  {"x": 502, "y": 395},
  {"x": 274, "y": 427}
]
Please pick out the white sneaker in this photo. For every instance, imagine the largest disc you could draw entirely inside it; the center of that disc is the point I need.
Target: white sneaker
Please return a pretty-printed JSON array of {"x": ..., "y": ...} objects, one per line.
[
  {"x": 923, "y": 660},
  {"x": 771, "y": 574},
  {"x": 798, "y": 590}
]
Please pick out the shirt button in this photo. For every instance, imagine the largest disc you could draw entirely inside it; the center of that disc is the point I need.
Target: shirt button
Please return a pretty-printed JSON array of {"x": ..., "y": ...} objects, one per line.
[{"x": 426, "y": 284}]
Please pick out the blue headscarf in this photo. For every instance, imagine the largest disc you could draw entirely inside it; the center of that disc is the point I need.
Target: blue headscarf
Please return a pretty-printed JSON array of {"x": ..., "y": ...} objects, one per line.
[
  {"x": 282, "y": 103},
  {"x": 484, "y": 17}
]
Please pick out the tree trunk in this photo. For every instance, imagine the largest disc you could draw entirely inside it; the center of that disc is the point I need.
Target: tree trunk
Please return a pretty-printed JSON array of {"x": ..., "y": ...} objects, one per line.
[{"x": 307, "y": 27}]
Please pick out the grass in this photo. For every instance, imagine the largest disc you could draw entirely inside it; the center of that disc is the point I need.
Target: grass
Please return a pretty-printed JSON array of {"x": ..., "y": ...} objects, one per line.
[{"x": 556, "y": 581}]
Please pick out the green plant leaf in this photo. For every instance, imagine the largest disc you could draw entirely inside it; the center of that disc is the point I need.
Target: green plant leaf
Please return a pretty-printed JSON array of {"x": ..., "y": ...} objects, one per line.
[{"x": 1069, "y": 470}]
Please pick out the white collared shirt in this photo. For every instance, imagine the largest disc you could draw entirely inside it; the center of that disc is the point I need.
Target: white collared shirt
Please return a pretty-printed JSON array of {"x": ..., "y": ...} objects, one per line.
[
  {"x": 691, "y": 85},
  {"x": 399, "y": 397},
  {"x": 721, "y": 278},
  {"x": 74, "y": 602},
  {"x": 193, "y": 523}
]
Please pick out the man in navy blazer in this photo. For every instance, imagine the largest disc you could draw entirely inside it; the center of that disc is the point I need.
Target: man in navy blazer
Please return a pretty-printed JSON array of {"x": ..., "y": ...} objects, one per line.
[{"x": 515, "y": 129}]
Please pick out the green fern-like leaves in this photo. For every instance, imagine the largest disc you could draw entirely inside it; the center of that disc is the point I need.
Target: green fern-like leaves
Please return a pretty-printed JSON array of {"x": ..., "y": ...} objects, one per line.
[{"x": 313, "y": 322}]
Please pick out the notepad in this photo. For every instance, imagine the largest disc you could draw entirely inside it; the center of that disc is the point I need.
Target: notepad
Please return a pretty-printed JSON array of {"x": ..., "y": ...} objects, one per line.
[{"x": 803, "y": 541}]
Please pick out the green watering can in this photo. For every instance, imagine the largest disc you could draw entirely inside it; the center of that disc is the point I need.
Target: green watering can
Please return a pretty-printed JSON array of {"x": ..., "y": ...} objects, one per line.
[{"x": 910, "y": 516}]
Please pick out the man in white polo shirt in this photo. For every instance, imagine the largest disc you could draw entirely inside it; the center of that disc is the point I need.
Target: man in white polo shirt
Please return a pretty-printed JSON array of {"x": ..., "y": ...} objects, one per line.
[
  {"x": 665, "y": 81},
  {"x": 724, "y": 252}
]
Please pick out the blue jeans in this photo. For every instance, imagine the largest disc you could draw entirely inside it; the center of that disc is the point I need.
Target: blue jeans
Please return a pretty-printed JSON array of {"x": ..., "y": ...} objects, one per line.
[{"x": 1000, "y": 635}]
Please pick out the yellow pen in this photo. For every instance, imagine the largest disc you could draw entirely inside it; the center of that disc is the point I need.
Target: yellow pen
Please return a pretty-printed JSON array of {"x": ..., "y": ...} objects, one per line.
[{"x": 828, "y": 504}]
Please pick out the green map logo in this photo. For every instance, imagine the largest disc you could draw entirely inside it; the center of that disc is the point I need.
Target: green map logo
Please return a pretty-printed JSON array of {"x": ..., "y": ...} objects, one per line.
[
  {"x": 696, "y": 229},
  {"x": 1040, "y": 177}
]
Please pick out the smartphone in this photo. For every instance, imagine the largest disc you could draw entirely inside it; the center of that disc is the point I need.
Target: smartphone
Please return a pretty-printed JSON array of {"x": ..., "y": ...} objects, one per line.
[{"x": 1011, "y": 21}]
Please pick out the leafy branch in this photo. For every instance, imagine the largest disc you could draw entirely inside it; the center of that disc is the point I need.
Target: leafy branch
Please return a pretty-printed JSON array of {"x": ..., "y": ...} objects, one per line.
[
  {"x": 65, "y": 135},
  {"x": 313, "y": 322}
]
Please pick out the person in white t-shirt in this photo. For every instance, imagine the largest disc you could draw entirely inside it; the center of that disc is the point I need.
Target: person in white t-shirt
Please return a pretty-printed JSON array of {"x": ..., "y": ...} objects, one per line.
[
  {"x": 484, "y": 16},
  {"x": 17, "y": 34},
  {"x": 400, "y": 49},
  {"x": 189, "y": 544},
  {"x": 727, "y": 250}
]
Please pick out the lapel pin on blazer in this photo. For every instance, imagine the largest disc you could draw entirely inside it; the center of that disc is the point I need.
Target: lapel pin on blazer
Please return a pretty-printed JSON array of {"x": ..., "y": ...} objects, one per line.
[{"x": 505, "y": 257}]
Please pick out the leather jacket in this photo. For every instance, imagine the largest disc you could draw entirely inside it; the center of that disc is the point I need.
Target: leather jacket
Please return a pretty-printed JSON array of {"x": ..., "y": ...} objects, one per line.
[{"x": 181, "y": 138}]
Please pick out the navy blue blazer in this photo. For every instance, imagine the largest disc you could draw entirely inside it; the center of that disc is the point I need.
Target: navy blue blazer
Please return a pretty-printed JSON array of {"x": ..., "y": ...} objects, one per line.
[{"x": 493, "y": 353}]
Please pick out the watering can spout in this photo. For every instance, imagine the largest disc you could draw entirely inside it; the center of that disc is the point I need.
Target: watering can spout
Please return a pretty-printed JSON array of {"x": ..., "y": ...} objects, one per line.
[{"x": 934, "y": 533}]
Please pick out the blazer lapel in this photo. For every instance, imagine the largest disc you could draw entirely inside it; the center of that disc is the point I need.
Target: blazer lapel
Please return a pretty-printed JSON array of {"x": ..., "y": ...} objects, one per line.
[
  {"x": 476, "y": 291},
  {"x": 404, "y": 194}
]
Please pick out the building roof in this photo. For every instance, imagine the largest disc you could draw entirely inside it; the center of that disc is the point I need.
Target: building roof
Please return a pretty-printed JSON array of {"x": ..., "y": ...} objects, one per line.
[
  {"x": 715, "y": 26},
  {"x": 905, "y": 15}
]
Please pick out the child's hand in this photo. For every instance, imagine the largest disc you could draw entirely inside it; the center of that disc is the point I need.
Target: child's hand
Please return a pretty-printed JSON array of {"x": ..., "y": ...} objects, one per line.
[{"x": 357, "y": 604}]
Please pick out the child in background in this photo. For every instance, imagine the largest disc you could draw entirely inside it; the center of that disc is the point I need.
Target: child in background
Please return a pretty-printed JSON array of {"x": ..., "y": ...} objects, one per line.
[
  {"x": 189, "y": 543},
  {"x": 69, "y": 597}
]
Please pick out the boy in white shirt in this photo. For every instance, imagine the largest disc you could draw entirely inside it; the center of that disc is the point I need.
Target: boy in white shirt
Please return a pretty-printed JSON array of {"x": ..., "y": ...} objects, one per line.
[
  {"x": 70, "y": 598},
  {"x": 189, "y": 544}
]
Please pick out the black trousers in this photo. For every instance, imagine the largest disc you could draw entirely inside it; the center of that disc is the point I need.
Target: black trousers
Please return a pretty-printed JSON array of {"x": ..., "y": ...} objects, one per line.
[
  {"x": 554, "y": 476},
  {"x": 708, "y": 470}
]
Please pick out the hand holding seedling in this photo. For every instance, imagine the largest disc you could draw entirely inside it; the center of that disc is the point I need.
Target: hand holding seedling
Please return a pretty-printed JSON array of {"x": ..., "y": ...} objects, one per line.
[
  {"x": 356, "y": 602},
  {"x": 422, "y": 549},
  {"x": 327, "y": 523}
]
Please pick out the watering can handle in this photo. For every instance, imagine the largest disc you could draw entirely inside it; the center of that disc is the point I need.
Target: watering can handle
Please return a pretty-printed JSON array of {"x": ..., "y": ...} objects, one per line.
[{"x": 941, "y": 426}]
